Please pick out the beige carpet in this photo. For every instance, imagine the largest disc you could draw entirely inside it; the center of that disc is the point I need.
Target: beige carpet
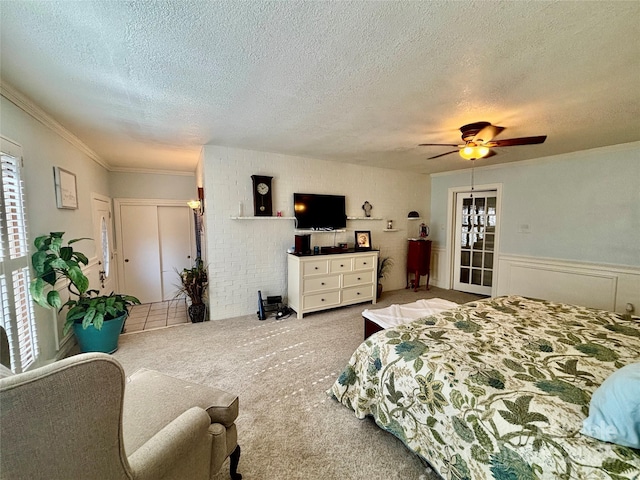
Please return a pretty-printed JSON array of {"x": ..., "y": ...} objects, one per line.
[{"x": 281, "y": 369}]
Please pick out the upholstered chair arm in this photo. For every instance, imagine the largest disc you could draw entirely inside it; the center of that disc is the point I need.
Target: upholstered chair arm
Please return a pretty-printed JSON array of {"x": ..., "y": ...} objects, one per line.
[
  {"x": 177, "y": 452},
  {"x": 63, "y": 420}
]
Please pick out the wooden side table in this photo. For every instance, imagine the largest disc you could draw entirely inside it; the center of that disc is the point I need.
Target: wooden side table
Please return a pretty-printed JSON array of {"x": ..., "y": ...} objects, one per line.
[{"x": 418, "y": 261}]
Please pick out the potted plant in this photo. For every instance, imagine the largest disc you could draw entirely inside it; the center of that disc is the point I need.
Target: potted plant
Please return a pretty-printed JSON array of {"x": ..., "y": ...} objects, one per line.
[
  {"x": 96, "y": 320},
  {"x": 193, "y": 284},
  {"x": 384, "y": 265}
]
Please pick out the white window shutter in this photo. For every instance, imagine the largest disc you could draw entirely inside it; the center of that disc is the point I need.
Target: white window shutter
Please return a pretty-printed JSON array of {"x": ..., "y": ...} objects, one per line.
[{"x": 16, "y": 305}]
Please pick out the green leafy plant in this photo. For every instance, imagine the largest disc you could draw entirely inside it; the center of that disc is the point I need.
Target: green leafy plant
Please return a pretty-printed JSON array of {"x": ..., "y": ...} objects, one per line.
[
  {"x": 54, "y": 261},
  {"x": 384, "y": 266},
  {"x": 193, "y": 282}
]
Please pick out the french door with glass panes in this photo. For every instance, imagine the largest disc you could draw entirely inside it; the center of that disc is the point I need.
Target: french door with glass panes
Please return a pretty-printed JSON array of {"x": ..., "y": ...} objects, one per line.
[{"x": 475, "y": 237}]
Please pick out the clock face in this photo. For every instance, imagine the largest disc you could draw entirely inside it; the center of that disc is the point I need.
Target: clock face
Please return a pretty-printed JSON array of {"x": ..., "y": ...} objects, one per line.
[{"x": 262, "y": 188}]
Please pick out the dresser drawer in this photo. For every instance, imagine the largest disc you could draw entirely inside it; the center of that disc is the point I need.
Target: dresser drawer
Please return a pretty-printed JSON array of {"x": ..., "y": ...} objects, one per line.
[
  {"x": 356, "y": 294},
  {"x": 364, "y": 263},
  {"x": 320, "y": 300},
  {"x": 311, "y": 285},
  {"x": 315, "y": 267},
  {"x": 358, "y": 278},
  {"x": 341, "y": 265}
]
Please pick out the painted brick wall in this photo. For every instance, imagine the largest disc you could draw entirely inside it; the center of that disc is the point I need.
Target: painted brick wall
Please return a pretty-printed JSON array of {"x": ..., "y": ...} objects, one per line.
[{"x": 245, "y": 256}]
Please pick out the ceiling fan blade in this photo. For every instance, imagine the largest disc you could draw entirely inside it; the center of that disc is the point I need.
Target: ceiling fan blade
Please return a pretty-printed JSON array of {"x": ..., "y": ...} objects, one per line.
[
  {"x": 487, "y": 134},
  {"x": 439, "y": 145},
  {"x": 443, "y": 154},
  {"x": 512, "y": 142}
]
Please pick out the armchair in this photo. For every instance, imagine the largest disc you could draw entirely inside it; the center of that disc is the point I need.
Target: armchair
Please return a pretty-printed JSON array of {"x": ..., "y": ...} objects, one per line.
[{"x": 79, "y": 418}]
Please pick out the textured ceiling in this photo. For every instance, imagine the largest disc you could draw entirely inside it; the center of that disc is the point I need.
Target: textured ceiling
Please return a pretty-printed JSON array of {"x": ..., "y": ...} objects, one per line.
[{"x": 146, "y": 84}]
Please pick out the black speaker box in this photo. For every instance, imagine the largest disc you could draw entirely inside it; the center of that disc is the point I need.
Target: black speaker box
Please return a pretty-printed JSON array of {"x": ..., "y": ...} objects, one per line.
[{"x": 303, "y": 244}]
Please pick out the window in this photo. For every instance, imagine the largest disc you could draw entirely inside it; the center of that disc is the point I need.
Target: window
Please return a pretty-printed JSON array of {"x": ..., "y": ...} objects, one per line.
[{"x": 16, "y": 306}]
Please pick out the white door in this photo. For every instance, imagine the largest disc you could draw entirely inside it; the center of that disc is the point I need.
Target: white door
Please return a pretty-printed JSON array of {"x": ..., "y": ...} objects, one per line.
[
  {"x": 141, "y": 252},
  {"x": 176, "y": 239},
  {"x": 157, "y": 242},
  {"x": 475, "y": 238},
  {"x": 103, "y": 237}
]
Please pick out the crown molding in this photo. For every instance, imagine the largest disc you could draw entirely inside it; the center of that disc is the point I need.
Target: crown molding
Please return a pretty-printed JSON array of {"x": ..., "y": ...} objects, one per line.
[{"x": 28, "y": 106}]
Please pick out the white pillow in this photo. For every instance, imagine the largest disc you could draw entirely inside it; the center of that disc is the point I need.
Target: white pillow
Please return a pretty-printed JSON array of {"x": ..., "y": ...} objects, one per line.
[{"x": 614, "y": 411}]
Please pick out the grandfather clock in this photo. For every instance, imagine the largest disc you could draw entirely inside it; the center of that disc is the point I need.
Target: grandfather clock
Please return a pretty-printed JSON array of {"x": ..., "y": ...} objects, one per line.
[{"x": 262, "y": 196}]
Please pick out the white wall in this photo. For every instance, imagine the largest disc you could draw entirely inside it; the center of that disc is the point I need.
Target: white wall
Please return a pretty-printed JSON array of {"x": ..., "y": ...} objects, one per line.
[
  {"x": 582, "y": 209},
  {"x": 46, "y": 144},
  {"x": 250, "y": 255},
  {"x": 42, "y": 150},
  {"x": 152, "y": 185}
]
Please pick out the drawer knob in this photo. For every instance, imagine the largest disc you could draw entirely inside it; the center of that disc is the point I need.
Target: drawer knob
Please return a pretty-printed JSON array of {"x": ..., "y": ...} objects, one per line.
[
  {"x": 358, "y": 278},
  {"x": 358, "y": 293},
  {"x": 322, "y": 299},
  {"x": 364, "y": 263},
  {"x": 322, "y": 283},
  {"x": 341, "y": 265},
  {"x": 316, "y": 268}
]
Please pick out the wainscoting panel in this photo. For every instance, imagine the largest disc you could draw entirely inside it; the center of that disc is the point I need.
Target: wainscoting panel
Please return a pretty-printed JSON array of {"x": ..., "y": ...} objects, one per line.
[
  {"x": 607, "y": 287},
  {"x": 610, "y": 287},
  {"x": 438, "y": 267},
  {"x": 435, "y": 260}
]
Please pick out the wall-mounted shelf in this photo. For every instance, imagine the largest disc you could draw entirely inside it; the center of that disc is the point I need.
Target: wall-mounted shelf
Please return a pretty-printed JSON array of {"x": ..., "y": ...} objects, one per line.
[
  {"x": 320, "y": 231},
  {"x": 363, "y": 218},
  {"x": 263, "y": 218},
  {"x": 391, "y": 230},
  {"x": 414, "y": 218}
]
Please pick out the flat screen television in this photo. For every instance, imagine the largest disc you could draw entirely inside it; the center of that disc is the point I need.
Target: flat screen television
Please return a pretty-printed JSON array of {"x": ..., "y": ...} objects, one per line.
[{"x": 319, "y": 212}]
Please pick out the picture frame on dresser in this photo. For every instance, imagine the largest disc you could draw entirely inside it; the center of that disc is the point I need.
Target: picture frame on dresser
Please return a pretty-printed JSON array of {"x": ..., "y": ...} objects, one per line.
[{"x": 363, "y": 240}]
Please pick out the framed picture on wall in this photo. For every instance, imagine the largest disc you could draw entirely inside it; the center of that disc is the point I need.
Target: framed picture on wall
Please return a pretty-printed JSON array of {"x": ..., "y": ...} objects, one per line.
[
  {"x": 363, "y": 240},
  {"x": 66, "y": 189}
]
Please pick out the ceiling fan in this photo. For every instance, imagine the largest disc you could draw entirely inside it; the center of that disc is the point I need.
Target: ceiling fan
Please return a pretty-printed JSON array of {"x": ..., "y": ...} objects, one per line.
[{"x": 478, "y": 141}]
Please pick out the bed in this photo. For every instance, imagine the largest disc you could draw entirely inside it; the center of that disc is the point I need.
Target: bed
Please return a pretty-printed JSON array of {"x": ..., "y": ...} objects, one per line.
[{"x": 496, "y": 388}]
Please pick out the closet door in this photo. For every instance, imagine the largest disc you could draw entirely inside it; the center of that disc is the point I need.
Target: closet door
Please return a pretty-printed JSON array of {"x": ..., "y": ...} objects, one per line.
[
  {"x": 157, "y": 242},
  {"x": 141, "y": 252}
]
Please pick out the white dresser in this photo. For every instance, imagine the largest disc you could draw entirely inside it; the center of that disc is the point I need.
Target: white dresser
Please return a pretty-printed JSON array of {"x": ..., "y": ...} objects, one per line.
[{"x": 318, "y": 282}]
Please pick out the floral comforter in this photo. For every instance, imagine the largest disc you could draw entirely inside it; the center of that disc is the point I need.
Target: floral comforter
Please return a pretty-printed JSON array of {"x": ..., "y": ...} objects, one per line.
[{"x": 496, "y": 388}]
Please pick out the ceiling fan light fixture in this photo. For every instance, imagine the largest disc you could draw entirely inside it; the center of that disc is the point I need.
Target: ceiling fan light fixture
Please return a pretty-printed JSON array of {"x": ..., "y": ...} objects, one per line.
[
  {"x": 472, "y": 153},
  {"x": 479, "y": 138}
]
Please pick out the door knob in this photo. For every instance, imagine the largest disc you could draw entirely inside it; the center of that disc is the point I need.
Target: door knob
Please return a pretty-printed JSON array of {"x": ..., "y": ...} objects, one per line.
[{"x": 126, "y": 260}]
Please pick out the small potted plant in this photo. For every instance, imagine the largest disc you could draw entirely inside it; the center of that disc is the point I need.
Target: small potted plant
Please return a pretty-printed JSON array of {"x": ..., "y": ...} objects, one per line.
[
  {"x": 384, "y": 265},
  {"x": 193, "y": 284},
  {"x": 96, "y": 320}
]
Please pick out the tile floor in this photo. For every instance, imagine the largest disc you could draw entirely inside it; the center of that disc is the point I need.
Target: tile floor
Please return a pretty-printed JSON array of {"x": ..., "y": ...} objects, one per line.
[{"x": 149, "y": 316}]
